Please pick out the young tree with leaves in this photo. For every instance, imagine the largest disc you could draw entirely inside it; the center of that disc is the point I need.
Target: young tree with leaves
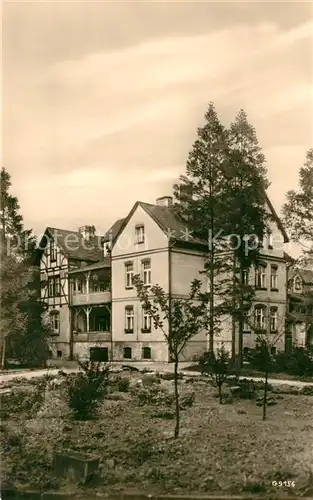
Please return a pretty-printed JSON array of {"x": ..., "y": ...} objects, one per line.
[
  {"x": 187, "y": 317},
  {"x": 262, "y": 358}
]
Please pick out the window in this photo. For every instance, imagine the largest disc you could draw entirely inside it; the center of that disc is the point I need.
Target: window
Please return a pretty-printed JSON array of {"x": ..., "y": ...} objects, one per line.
[
  {"x": 260, "y": 277},
  {"x": 273, "y": 319},
  {"x": 260, "y": 323},
  {"x": 129, "y": 319},
  {"x": 274, "y": 278},
  {"x": 139, "y": 234},
  {"x": 146, "y": 272},
  {"x": 273, "y": 350},
  {"x": 53, "y": 251},
  {"x": 99, "y": 354},
  {"x": 129, "y": 273},
  {"x": 127, "y": 353},
  {"x": 59, "y": 354},
  {"x": 146, "y": 321},
  {"x": 54, "y": 286},
  {"x": 146, "y": 353},
  {"x": 297, "y": 285},
  {"x": 55, "y": 321},
  {"x": 78, "y": 286},
  {"x": 270, "y": 240}
]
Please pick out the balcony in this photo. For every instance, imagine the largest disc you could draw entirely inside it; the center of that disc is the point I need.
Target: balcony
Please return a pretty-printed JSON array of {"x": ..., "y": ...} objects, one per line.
[
  {"x": 92, "y": 337},
  {"x": 91, "y": 298}
]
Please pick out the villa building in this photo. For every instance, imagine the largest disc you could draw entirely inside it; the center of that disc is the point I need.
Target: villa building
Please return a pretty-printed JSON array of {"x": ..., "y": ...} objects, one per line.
[{"x": 92, "y": 304}]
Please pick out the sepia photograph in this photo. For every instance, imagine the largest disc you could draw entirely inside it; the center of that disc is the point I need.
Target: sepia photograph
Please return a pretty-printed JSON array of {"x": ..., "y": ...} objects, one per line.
[{"x": 156, "y": 250}]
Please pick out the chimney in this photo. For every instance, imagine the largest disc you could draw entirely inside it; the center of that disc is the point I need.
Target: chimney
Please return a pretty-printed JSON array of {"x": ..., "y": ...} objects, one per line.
[
  {"x": 164, "y": 201},
  {"x": 87, "y": 232}
]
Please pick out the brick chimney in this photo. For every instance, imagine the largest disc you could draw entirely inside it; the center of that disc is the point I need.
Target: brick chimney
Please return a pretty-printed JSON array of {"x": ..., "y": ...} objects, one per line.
[
  {"x": 164, "y": 201},
  {"x": 87, "y": 232}
]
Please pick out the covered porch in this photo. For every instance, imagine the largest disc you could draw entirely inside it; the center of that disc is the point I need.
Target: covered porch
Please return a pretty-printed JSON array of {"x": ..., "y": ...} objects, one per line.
[{"x": 91, "y": 319}]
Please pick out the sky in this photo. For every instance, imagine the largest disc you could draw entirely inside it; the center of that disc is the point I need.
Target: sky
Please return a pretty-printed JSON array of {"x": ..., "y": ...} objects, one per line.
[{"x": 102, "y": 100}]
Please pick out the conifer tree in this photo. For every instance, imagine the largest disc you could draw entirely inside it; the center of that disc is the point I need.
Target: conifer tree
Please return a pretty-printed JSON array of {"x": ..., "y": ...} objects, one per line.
[
  {"x": 247, "y": 217},
  {"x": 23, "y": 334},
  {"x": 199, "y": 198}
]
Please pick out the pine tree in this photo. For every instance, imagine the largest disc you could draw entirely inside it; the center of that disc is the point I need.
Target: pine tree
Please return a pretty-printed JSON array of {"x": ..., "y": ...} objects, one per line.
[
  {"x": 247, "y": 218},
  {"x": 22, "y": 329},
  {"x": 199, "y": 200}
]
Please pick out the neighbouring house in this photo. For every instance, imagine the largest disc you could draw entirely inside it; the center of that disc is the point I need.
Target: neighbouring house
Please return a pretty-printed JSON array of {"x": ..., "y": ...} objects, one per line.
[
  {"x": 300, "y": 306},
  {"x": 91, "y": 302}
]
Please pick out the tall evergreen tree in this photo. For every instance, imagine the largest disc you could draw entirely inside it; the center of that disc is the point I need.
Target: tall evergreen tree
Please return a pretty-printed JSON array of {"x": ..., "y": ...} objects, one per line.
[
  {"x": 23, "y": 334},
  {"x": 223, "y": 195},
  {"x": 247, "y": 217},
  {"x": 17, "y": 240},
  {"x": 199, "y": 198}
]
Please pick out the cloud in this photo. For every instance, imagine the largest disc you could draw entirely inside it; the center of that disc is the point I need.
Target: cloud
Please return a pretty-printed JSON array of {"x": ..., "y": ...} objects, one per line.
[{"x": 118, "y": 124}]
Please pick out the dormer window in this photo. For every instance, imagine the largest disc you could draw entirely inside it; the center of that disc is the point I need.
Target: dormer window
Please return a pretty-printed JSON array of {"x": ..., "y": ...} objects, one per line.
[
  {"x": 139, "y": 234},
  {"x": 297, "y": 284},
  {"x": 53, "y": 251}
]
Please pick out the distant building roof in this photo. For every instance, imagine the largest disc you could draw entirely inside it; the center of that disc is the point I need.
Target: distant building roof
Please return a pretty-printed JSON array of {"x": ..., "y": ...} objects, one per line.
[{"x": 73, "y": 244}]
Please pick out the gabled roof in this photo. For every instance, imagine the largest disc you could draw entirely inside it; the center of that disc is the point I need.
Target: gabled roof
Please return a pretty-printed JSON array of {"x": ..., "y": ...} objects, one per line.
[
  {"x": 111, "y": 234},
  {"x": 305, "y": 274},
  {"x": 166, "y": 218},
  {"x": 175, "y": 226},
  {"x": 277, "y": 219},
  {"x": 73, "y": 245}
]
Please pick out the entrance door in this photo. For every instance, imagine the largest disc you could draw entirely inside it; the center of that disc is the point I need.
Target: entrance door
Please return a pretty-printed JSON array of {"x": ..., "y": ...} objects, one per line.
[{"x": 99, "y": 354}]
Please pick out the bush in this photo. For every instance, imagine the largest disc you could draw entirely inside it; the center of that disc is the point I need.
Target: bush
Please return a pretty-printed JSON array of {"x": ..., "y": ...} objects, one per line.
[
  {"x": 186, "y": 400},
  {"x": 307, "y": 390},
  {"x": 123, "y": 384},
  {"x": 155, "y": 395},
  {"x": 170, "y": 376},
  {"x": 297, "y": 362},
  {"x": 86, "y": 390},
  {"x": 245, "y": 389},
  {"x": 21, "y": 402}
]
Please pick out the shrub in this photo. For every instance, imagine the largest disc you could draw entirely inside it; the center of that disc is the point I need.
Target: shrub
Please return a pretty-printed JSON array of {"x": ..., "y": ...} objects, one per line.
[
  {"x": 186, "y": 400},
  {"x": 307, "y": 390},
  {"x": 155, "y": 395},
  {"x": 245, "y": 389},
  {"x": 123, "y": 384},
  {"x": 86, "y": 390},
  {"x": 297, "y": 362},
  {"x": 19, "y": 402}
]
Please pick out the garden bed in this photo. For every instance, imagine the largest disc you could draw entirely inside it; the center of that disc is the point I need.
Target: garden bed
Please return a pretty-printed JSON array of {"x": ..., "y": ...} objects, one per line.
[{"x": 221, "y": 449}]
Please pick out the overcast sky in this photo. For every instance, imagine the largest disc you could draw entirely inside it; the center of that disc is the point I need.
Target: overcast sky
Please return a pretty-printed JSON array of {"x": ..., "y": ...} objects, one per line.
[{"x": 102, "y": 99}]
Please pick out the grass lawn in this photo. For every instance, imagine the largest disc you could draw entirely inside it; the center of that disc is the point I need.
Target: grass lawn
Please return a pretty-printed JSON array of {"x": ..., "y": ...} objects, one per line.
[{"x": 221, "y": 447}]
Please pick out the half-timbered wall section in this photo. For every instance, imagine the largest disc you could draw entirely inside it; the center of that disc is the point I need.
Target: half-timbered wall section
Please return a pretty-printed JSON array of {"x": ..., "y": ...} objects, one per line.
[
  {"x": 54, "y": 293},
  {"x": 62, "y": 251}
]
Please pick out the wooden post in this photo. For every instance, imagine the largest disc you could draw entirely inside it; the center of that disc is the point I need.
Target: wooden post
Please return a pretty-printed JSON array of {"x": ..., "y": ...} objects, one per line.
[
  {"x": 87, "y": 312},
  {"x": 87, "y": 282}
]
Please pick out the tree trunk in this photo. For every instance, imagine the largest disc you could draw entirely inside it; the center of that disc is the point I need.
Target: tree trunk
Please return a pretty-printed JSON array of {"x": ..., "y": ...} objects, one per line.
[
  {"x": 3, "y": 354},
  {"x": 265, "y": 396},
  {"x": 220, "y": 395},
  {"x": 176, "y": 432}
]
